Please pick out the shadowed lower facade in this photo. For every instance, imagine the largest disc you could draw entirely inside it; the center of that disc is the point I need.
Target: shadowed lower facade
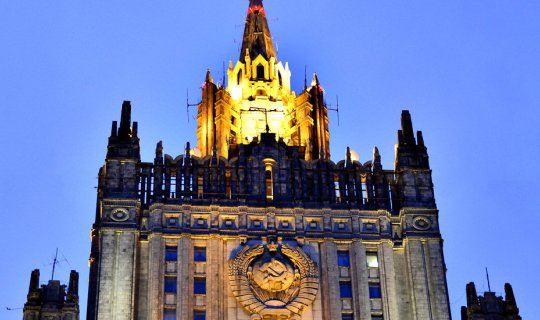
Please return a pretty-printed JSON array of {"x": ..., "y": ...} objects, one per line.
[{"x": 257, "y": 221}]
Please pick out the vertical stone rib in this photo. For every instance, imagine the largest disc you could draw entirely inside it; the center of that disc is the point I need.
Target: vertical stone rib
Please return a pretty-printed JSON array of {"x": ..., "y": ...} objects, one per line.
[
  {"x": 330, "y": 281},
  {"x": 185, "y": 279},
  {"x": 388, "y": 282},
  {"x": 359, "y": 276},
  {"x": 155, "y": 278},
  {"x": 418, "y": 280}
]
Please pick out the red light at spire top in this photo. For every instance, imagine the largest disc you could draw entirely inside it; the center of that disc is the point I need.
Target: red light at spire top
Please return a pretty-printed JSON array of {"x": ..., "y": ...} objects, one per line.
[
  {"x": 252, "y": 9},
  {"x": 256, "y": 5}
]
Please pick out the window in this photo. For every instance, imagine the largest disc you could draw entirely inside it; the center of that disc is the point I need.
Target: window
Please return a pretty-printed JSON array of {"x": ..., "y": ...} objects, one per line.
[
  {"x": 239, "y": 77},
  {"x": 338, "y": 193},
  {"x": 260, "y": 71},
  {"x": 269, "y": 185},
  {"x": 171, "y": 254},
  {"x": 199, "y": 286},
  {"x": 376, "y": 317},
  {"x": 199, "y": 315},
  {"x": 280, "y": 79},
  {"x": 200, "y": 186},
  {"x": 343, "y": 259},
  {"x": 347, "y": 316},
  {"x": 372, "y": 260},
  {"x": 169, "y": 314},
  {"x": 199, "y": 254},
  {"x": 364, "y": 189},
  {"x": 345, "y": 289},
  {"x": 170, "y": 284},
  {"x": 375, "y": 291}
]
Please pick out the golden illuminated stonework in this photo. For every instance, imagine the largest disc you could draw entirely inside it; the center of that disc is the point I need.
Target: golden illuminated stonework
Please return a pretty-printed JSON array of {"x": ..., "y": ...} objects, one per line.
[{"x": 273, "y": 281}]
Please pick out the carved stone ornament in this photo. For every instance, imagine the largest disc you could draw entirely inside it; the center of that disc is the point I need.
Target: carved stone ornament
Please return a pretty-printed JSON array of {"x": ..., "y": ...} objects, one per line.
[
  {"x": 273, "y": 281},
  {"x": 422, "y": 223},
  {"x": 120, "y": 215}
]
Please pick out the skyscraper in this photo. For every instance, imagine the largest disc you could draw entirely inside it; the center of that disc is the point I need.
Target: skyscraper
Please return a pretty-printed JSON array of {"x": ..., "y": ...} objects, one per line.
[{"x": 257, "y": 221}]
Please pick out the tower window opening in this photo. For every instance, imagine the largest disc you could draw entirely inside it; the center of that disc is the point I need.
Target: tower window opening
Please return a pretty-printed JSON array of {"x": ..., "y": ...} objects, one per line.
[
  {"x": 170, "y": 284},
  {"x": 375, "y": 291},
  {"x": 169, "y": 314},
  {"x": 173, "y": 186},
  {"x": 337, "y": 192},
  {"x": 345, "y": 289},
  {"x": 260, "y": 71},
  {"x": 280, "y": 79},
  {"x": 372, "y": 260},
  {"x": 200, "y": 187},
  {"x": 199, "y": 286},
  {"x": 344, "y": 259},
  {"x": 364, "y": 189},
  {"x": 390, "y": 200},
  {"x": 171, "y": 253},
  {"x": 239, "y": 77},
  {"x": 199, "y": 254},
  {"x": 269, "y": 185},
  {"x": 228, "y": 191},
  {"x": 199, "y": 315}
]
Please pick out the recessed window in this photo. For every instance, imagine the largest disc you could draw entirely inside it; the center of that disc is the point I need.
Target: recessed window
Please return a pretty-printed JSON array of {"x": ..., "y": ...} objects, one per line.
[
  {"x": 199, "y": 286},
  {"x": 260, "y": 71},
  {"x": 171, "y": 254},
  {"x": 199, "y": 254},
  {"x": 347, "y": 316},
  {"x": 170, "y": 284},
  {"x": 169, "y": 314},
  {"x": 345, "y": 289},
  {"x": 343, "y": 259},
  {"x": 375, "y": 291},
  {"x": 199, "y": 315},
  {"x": 372, "y": 260}
]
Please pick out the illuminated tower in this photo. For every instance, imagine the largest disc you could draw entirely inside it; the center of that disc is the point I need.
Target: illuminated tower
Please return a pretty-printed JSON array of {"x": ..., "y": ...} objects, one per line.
[
  {"x": 258, "y": 98},
  {"x": 262, "y": 224}
]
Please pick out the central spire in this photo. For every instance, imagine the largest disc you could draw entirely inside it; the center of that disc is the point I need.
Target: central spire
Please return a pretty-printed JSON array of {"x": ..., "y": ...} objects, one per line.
[{"x": 257, "y": 38}]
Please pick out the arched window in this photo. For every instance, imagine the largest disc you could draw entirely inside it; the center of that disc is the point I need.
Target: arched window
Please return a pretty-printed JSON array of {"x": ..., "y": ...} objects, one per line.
[
  {"x": 239, "y": 77},
  {"x": 280, "y": 79},
  {"x": 260, "y": 71}
]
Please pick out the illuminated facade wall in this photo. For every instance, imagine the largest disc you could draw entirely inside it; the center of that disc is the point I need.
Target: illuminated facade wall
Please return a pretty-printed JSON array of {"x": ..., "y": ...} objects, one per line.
[{"x": 262, "y": 224}]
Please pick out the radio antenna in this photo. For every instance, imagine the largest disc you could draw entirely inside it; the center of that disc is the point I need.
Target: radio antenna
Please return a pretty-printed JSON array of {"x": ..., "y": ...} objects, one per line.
[
  {"x": 336, "y": 109},
  {"x": 189, "y": 105}
]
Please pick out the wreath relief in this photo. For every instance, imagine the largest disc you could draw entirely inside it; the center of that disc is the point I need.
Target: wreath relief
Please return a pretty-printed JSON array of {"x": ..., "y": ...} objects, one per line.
[{"x": 273, "y": 281}]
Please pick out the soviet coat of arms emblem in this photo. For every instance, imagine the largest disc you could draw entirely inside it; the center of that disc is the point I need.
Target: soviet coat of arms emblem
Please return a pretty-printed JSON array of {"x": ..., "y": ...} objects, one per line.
[{"x": 273, "y": 281}]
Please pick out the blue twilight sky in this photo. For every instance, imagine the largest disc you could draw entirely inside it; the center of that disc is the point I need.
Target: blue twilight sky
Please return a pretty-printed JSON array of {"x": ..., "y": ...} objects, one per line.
[{"x": 469, "y": 71}]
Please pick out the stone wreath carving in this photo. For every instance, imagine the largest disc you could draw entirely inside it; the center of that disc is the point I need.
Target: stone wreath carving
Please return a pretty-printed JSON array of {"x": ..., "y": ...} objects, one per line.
[{"x": 273, "y": 281}]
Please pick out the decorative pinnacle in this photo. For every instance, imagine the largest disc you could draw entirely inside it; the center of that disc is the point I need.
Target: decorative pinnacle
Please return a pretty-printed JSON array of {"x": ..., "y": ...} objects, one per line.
[{"x": 209, "y": 76}]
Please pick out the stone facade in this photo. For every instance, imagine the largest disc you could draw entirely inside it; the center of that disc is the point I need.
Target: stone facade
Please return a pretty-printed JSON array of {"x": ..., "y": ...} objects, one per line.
[
  {"x": 51, "y": 301},
  {"x": 267, "y": 227}
]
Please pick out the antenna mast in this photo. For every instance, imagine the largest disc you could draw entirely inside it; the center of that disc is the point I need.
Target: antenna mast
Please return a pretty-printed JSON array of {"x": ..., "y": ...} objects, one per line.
[
  {"x": 487, "y": 276},
  {"x": 188, "y": 105},
  {"x": 55, "y": 261},
  {"x": 336, "y": 109}
]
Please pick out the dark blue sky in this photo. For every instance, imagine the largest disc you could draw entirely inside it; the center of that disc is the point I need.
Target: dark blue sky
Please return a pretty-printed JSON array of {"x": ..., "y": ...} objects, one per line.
[{"x": 469, "y": 71}]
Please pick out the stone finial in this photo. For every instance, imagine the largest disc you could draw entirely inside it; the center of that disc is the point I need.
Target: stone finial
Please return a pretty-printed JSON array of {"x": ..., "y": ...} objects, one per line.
[
  {"x": 208, "y": 77},
  {"x": 407, "y": 128},
  {"x": 188, "y": 150},
  {"x": 34, "y": 281},
  {"x": 125, "y": 121}
]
